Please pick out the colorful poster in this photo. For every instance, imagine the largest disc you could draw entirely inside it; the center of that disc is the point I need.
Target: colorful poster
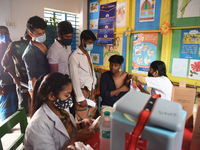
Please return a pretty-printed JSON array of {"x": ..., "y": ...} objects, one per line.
[
  {"x": 144, "y": 51},
  {"x": 194, "y": 71},
  {"x": 190, "y": 44},
  {"x": 188, "y": 8},
  {"x": 147, "y": 10},
  {"x": 116, "y": 49},
  {"x": 179, "y": 67},
  {"x": 95, "y": 58},
  {"x": 93, "y": 7},
  {"x": 94, "y": 24},
  {"x": 120, "y": 19},
  {"x": 106, "y": 24}
]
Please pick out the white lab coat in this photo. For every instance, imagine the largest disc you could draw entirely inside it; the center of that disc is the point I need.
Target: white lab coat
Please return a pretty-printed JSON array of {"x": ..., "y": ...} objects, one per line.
[{"x": 46, "y": 131}]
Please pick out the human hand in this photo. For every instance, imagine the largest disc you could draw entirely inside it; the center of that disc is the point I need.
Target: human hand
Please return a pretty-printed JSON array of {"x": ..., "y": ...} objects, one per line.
[
  {"x": 86, "y": 123},
  {"x": 129, "y": 76},
  {"x": 84, "y": 135},
  {"x": 86, "y": 93},
  {"x": 138, "y": 83},
  {"x": 124, "y": 88},
  {"x": 1, "y": 91},
  {"x": 83, "y": 103}
]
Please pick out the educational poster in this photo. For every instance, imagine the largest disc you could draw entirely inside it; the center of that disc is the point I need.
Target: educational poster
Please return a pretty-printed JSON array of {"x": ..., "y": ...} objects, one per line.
[
  {"x": 179, "y": 67},
  {"x": 120, "y": 19},
  {"x": 147, "y": 10},
  {"x": 194, "y": 70},
  {"x": 95, "y": 58},
  {"x": 93, "y": 24},
  {"x": 188, "y": 8},
  {"x": 190, "y": 44},
  {"x": 106, "y": 24},
  {"x": 144, "y": 51},
  {"x": 116, "y": 49},
  {"x": 93, "y": 7}
]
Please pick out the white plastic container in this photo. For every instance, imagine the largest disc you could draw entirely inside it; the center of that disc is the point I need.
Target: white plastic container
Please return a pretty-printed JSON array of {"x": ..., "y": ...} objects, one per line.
[{"x": 105, "y": 131}]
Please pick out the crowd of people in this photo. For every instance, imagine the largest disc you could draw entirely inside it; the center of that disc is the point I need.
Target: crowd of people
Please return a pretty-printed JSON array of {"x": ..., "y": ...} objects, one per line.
[{"x": 59, "y": 82}]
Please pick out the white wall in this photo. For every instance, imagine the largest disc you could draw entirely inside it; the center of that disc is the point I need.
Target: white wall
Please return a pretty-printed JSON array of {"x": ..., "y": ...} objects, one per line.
[{"x": 19, "y": 11}]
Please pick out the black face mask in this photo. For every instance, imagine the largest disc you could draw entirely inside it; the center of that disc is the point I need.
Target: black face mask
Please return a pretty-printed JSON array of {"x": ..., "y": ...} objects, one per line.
[
  {"x": 67, "y": 41},
  {"x": 150, "y": 74}
]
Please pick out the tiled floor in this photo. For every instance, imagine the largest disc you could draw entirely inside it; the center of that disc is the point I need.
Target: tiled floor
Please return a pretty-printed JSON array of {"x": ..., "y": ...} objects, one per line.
[{"x": 12, "y": 136}]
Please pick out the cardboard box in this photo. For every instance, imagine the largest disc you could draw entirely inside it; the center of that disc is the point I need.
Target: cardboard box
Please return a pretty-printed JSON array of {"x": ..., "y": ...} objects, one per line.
[
  {"x": 195, "y": 144},
  {"x": 186, "y": 97}
]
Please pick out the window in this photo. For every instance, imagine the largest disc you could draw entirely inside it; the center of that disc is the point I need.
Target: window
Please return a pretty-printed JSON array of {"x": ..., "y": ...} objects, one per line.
[{"x": 59, "y": 16}]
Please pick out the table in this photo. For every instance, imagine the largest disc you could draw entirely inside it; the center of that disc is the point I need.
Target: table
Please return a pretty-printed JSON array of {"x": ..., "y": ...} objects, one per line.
[{"x": 94, "y": 142}]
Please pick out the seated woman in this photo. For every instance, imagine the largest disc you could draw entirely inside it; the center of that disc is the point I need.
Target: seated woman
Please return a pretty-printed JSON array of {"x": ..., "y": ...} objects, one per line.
[
  {"x": 157, "y": 80},
  {"x": 52, "y": 126}
]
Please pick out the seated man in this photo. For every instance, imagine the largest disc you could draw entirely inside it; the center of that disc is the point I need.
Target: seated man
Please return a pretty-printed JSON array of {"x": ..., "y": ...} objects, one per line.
[{"x": 114, "y": 84}]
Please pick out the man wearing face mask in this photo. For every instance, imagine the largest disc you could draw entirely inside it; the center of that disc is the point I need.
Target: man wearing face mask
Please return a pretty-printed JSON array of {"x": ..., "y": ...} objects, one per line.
[
  {"x": 60, "y": 50},
  {"x": 83, "y": 75},
  {"x": 8, "y": 96},
  {"x": 34, "y": 56}
]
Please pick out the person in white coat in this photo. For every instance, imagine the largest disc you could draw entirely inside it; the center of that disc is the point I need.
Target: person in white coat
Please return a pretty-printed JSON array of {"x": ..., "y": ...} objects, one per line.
[{"x": 52, "y": 125}]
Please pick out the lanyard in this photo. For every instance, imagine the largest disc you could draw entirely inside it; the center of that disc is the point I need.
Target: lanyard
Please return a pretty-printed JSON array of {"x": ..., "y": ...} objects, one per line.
[{"x": 142, "y": 121}]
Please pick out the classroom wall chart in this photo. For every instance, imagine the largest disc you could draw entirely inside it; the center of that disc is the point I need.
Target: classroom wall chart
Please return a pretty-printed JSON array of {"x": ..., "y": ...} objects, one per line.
[
  {"x": 144, "y": 51},
  {"x": 106, "y": 24},
  {"x": 120, "y": 18},
  {"x": 190, "y": 44},
  {"x": 116, "y": 49},
  {"x": 179, "y": 67},
  {"x": 194, "y": 70},
  {"x": 188, "y": 8},
  {"x": 147, "y": 10}
]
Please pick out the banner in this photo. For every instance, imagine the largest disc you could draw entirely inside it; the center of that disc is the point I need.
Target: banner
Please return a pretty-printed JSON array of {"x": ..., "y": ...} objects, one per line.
[
  {"x": 190, "y": 44},
  {"x": 144, "y": 51},
  {"x": 106, "y": 24}
]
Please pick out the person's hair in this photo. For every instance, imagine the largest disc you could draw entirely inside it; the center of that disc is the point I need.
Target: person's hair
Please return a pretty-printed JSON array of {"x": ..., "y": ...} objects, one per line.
[
  {"x": 53, "y": 82},
  {"x": 160, "y": 66},
  {"x": 27, "y": 35},
  {"x": 88, "y": 35},
  {"x": 64, "y": 27},
  {"x": 116, "y": 59},
  {"x": 4, "y": 27},
  {"x": 36, "y": 22}
]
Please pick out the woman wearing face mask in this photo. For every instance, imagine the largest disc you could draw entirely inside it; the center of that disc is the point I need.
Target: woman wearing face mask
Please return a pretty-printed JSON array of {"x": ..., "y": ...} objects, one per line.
[
  {"x": 52, "y": 125},
  {"x": 157, "y": 80}
]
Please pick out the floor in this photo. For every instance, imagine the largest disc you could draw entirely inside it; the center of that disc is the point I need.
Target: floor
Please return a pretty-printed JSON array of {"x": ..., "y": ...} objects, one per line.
[{"x": 13, "y": 135}]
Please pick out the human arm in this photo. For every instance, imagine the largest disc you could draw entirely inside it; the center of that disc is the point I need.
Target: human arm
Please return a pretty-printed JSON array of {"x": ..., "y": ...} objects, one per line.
[
  {"x": 140, "y": 87},
  {"x": 1, "y": 91},
  {"x": 53, "y": 67},
  {"x": 8, "y": 65},
  {"x": 31, "y": 66},
  {"x": 73, "y": 67},
  {"x": 82, "y": 136},
  {"x": 107, "y": 87},
  {"x": 127, "y": 79},
  {"x": 53, "y": 57}
]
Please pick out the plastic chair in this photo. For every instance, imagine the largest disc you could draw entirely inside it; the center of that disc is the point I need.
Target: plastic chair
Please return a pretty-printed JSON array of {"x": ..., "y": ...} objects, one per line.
[{"x": 18, "y": 117}]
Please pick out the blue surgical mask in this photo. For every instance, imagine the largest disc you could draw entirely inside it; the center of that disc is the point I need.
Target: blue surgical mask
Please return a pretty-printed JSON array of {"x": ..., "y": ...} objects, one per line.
[
  {"x": 88, "y": 47},
  {"x": 63, "y": 104},
  {"x": 66, "y": 41},
  {"x": 5, "y": 38},
  {"x": 41, "y": 39}
]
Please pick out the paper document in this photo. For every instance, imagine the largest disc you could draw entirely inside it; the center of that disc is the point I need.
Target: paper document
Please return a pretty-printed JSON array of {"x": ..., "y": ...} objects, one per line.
[
  {"x": 91, "y": 103},
  {"x": 24, "y": 85},
  {"x": 94, "y": 123}
]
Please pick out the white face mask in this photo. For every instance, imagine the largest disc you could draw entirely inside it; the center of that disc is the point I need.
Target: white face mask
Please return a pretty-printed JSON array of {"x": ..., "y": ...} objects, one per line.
[{"x": 41, "y": 39}]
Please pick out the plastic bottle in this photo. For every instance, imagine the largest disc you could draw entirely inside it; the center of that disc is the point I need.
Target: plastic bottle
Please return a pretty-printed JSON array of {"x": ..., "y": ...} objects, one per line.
[{"x": 105, "y": 131}]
